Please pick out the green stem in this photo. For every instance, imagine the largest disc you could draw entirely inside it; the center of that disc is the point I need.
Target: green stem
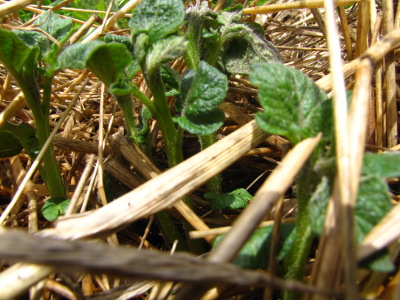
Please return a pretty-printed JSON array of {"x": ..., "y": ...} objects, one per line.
[
  {"x": 214, "y": 53},
  {"x": 192, "y": 53},
  {"x": 173, "y": 145},
  {"x": 297, "y": 257},
  {"x": 164, "y": 117},
  {"x": 192, "y": 58},
  {"x": 170, "y": 231},
  {"x": 40, "y": 109},
  {"x": 125, "y": 102}
]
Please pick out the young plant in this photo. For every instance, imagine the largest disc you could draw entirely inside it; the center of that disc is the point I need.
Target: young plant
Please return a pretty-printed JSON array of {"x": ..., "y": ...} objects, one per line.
[
  {"x": 232, "y": 46},
  {"x": 297, "y": 109},
  {"x": 24, "y": 53}
]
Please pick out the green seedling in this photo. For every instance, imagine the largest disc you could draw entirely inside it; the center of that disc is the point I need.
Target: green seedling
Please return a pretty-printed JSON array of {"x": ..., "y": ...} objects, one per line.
[
  {"x": 30, "y": 57},
  {"x": 297, "y": 109}
]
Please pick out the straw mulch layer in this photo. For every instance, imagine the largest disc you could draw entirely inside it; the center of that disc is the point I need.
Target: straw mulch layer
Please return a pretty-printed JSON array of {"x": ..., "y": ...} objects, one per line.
[{"x": 114, "y": 261}]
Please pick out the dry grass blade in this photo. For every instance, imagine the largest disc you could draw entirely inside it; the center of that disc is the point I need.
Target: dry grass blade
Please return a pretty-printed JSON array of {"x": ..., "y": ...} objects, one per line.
[
  {"x": 96, "y": 257},
  {"x": 156, "y": 194},
  {"x": 164, "y": 190},
  {"x": 17, "y": 103},
  {"x": 12, "y": 6},
  {"x": 347, "y": 195},
  {"x": 266, "y": 9},
  {"x": 273, "y": 188},
  {"x": 120, "y": 14}
]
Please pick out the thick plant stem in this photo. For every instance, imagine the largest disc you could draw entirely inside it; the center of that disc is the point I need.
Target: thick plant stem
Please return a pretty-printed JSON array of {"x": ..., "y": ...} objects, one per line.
[
  {"x": 214, "y": 53},
  {"x": 192, "y": 55},
  {"x": 164, "y": 117},
  {"x": 51, "y": 173},
  {"x": 297, "y": 257},
  {"x": 173, "y": 145}
]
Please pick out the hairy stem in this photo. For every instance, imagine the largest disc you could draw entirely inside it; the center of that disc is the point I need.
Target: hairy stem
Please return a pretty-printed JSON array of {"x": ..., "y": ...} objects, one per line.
[
  {"x": 125, "y": 102},
  {"x": 297, "y": 257},
  {"x": 40, "y": 109}
]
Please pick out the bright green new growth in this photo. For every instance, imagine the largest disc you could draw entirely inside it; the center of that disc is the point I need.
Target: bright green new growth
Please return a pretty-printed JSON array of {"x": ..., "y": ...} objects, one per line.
[{"x": 236, "y": 199}]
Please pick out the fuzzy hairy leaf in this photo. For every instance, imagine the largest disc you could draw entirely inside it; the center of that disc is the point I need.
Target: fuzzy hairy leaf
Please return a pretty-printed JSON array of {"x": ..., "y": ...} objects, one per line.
[
  {"x": 157, "y": 18},
  {"x": 58, "y": 28},
  {"x": 200, "y": 113},
  {"x": 236, "y": 199},
  {"x": 171, "y": 80},
  {"x": 106, "y": 60},
  {"x": 373, "y": 203},
  {"x": 246, "y": 45},
  {"x": 14, "y": 53},
  {"x": 384, "y": 165},
  {"x": 255, "y": 252},
  {"x": 164, "y": 51},
  {"x": 294, "y": 106},
  {"x": 133, "y": 67}
]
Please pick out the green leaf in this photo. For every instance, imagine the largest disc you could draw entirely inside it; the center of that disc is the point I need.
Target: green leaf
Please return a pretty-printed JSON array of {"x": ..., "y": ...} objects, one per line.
[
  {"x": 200, "y": 114},
  {"x": 318, "y": 205},
  {"x": 26, "y": 136},
  {"x": 55, "y": 207},
  {"x": 143, "y": 128},
  {"x": 9, "y": 144},
  {"x": 13, "y": 51},
  {"x": 379, "y": 262},
  {"x": 255, "y": 252},
  {"x": 50, "y": 211},
  {"x": 239, "y": 198},
  {"x": 121, "y": 87},
  {"x": 106, "y": 61},
  {"x": 294, "y": 106},
  {"x": 384, "y": 165},
  {"x": 164, "y": 51},
  {"x": 119, "y": 39},
  {"x": 63, "y": 206},
  {"x": 133, "y": 67},
  {"x": 157, "y": 18},
  {"x": 59, "y": 28},
  {"x": 373, "y": 203},
  {"x": 245, "y": 45},
  {"x": 171, "y": 80}
]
